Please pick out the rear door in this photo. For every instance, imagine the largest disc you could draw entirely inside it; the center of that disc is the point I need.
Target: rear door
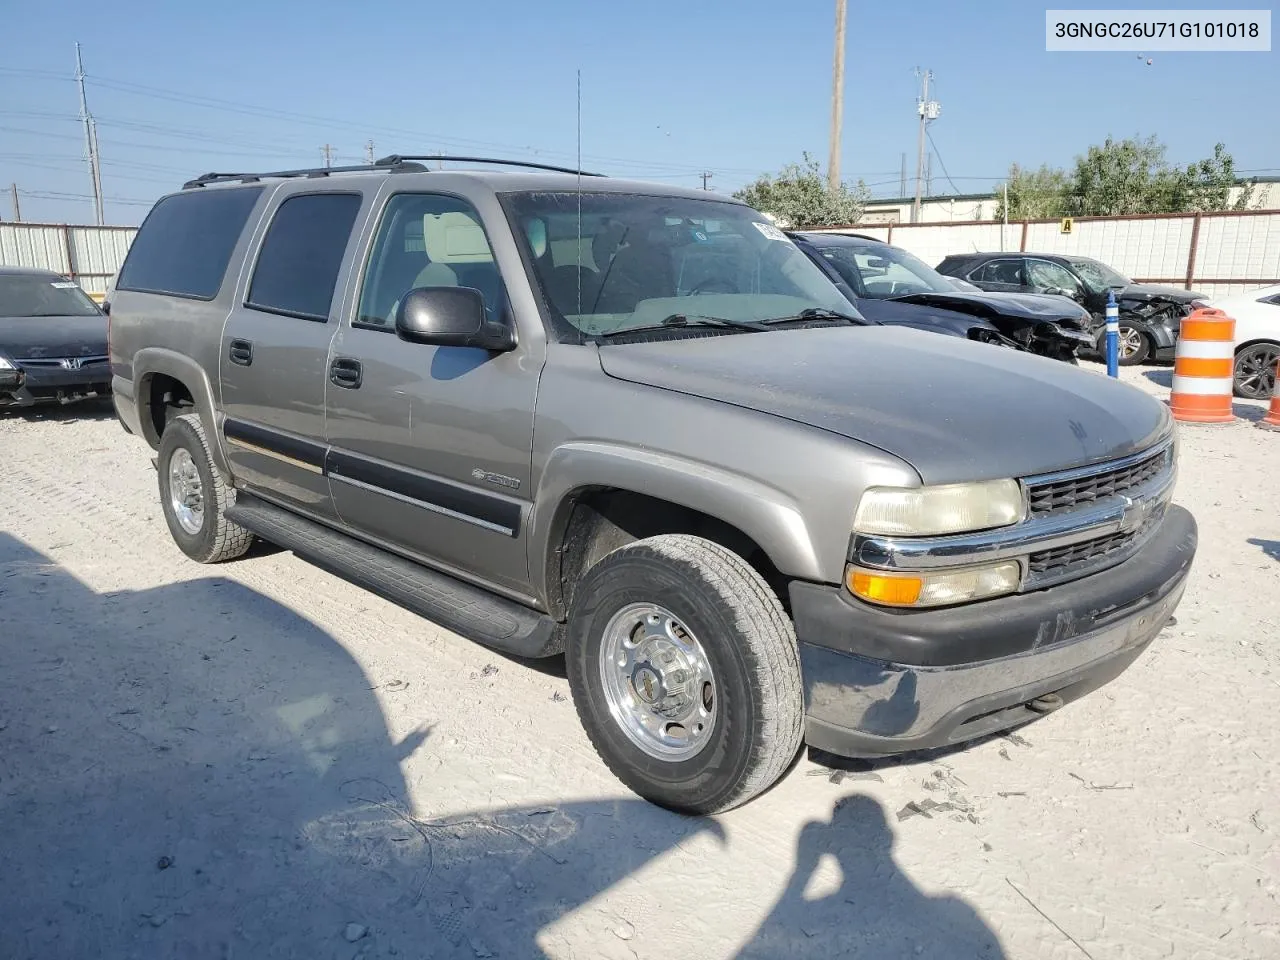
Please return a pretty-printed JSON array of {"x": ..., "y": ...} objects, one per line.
[{"x": 275, "y": 344}]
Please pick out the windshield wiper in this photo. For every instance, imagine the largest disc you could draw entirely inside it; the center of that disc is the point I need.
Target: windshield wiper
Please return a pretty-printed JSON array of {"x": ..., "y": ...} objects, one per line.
[
  {"x": 816, "y": 313},
  {"x": 688, "y": 320}
]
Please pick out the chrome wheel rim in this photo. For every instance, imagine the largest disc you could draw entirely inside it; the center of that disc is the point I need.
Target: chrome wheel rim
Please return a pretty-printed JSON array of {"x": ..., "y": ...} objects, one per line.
[
  {"x": 1130, "y": 342},
  {"x": 1256, "y": 371},
  {"x": 186, "y": 492},
  {"x": 658, "y": 682}
]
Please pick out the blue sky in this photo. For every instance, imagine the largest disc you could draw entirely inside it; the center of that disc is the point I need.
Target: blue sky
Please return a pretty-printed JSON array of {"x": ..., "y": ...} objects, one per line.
[{"x": 670, "y": 89}]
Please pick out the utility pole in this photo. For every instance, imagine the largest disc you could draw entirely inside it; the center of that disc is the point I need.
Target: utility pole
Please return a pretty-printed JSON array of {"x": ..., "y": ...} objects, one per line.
[
  {"x": 706, "y": 175},
  {"x": 902, "y": 182},
  {"x": 368, "y": 151},
  {"x": 837, "y": 100},
  {"x": 17, "y": 210},
  {"x": 928, "y": 110},
  {"x": 928, "y": 173},
  {"x": 327, "y": 152},
  {"x": 90, "y": 140}
]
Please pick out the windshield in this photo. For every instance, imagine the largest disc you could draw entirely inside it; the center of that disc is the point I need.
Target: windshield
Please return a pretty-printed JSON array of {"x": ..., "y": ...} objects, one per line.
[
  {"x": 1098, "y": 276},
  {"x": 43, "y": 296},
  {"x": 634, "y": 261},
  {"x": 879, "y": 272}
]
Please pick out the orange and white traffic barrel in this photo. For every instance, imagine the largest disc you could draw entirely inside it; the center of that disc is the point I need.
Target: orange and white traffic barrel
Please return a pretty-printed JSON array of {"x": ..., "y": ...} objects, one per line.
[
  {"x": 1272, "y": 420},
  {"x": 1202, "y": 368}
]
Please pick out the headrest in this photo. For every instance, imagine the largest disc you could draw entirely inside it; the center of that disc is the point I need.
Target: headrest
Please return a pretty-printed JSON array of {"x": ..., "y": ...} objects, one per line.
[
  {"x": 535, "y": 228},
  {"x": 454, "y": 238}
]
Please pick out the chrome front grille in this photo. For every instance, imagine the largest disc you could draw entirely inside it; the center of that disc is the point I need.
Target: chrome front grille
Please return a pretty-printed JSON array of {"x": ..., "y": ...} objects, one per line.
[
  {"x": 1068, "y": 491},
  {"x": 60, "y": 363},
  {"x": 1045, "y": 563}
]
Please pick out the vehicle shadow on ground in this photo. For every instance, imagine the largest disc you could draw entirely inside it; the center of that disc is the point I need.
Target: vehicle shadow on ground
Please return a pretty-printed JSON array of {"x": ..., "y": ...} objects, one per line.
[
  {"x": 1270, "y": 547},
  {"x": 99, "y": 409},
  {"x": 195, "y": 771},
  {"x": 1163, "y": 378}
]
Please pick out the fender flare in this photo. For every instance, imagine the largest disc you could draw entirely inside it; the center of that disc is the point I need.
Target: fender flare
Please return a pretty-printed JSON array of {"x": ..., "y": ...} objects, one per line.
[
  {"x": 765, "y": 514},
  {"x": 150, "y": 361}
]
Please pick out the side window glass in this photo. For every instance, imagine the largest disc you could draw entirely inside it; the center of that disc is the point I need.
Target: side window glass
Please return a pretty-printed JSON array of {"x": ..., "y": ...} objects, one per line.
[
  {"x": 302, "y": 253},
  {"x": 1051, "y": 276},
  {"x": 1001, "y": 271},
  {"x": 186, "y": 242},
  {"x": 427, "y": 240}
]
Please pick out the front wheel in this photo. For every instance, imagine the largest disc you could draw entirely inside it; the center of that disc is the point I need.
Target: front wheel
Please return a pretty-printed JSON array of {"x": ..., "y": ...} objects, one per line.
[
  {"x": 1135, "y": 346},
  {"x": 685, "y": 673},
  {"x": 1254, "y": 373}
]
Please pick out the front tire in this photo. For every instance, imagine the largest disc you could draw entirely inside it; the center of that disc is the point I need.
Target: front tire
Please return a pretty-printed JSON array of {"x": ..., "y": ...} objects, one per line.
[
  {"x": 194, "y": 497},
  {"x": 1254, "y": 371},
  {"x": 1135, "y": 346},
  {"x": 685, "y": 673}
]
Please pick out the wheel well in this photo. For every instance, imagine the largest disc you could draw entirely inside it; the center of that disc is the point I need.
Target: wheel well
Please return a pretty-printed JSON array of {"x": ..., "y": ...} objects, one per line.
[
  {"x": 1254, "y": 343},
  {"x": 599, "y": 520},
  {"x": 167, "y": 397}
]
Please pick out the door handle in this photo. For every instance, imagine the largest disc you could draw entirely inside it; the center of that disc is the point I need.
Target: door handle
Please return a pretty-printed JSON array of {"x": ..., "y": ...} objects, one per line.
[
  {"x": 346, "y": 372},
  {"x": 241, "y": 352}
]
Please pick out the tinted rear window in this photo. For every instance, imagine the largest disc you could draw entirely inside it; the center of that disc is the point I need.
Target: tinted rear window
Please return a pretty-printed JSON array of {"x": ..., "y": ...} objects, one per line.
[
  {"x": 302, "y": 253},
  {"x": 186, "y": 241}
]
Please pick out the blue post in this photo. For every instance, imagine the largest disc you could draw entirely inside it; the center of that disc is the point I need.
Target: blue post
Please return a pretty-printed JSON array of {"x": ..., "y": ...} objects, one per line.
[{"x": 1113, "y": 335}]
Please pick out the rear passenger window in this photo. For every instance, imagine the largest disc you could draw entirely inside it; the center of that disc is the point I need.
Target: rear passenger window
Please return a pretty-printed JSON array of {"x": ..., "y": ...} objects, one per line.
[
  {"x": 185, "y": 244},
  {"x": 301, "y": 255}
]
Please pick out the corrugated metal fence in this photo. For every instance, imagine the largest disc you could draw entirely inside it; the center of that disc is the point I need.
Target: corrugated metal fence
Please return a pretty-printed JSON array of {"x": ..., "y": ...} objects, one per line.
[
  {"x": 89, "y": 255},
  {"x": 1215, "y": 253}
]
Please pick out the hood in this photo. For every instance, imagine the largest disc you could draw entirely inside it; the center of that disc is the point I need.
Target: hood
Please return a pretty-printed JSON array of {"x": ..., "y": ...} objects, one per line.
[
  {"x": 953, "y": 409},
  {"x": 918, "y": 315},
  {"x": 1152, "y": 291},
  {"x": 1023, "y": 306},
  {"x": 28, "y": 338}
]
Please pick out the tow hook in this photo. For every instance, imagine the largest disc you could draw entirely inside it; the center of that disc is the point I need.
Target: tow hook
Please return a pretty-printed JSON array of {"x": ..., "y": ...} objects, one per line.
[{"x": 1045, "y": 704}]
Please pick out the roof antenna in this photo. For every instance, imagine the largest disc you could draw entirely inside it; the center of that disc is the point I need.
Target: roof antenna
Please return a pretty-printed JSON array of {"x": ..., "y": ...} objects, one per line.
[{"x": 579, "y": 166}]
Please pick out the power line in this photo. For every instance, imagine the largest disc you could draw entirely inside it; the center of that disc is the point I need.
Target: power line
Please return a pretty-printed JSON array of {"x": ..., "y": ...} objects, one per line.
[{"x": 938, "y": 153}]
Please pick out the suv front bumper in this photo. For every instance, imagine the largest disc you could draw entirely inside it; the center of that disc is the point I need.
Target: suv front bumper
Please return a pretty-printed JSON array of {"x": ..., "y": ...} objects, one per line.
[{"x": 881, "y": 681}]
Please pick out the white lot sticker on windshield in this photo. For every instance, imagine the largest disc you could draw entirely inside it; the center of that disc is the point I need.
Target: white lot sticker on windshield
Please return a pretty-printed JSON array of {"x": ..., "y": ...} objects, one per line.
[
  {"x": 769, "y": 230},
  {"x": 63, "y": 285}
]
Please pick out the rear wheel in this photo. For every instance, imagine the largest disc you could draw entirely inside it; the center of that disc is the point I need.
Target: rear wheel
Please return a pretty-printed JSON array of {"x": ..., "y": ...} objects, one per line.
[
  {"x": 193, "y": 496},
  {"x": 1254, "y": 374},
  {"x": 1135, "y": 346},
  {"x": 685, "y": 673}
]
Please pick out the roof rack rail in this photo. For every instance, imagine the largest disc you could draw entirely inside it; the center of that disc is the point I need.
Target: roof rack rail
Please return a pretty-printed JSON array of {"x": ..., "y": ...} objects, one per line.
[
  {"x": 379, "y": 167},
  {"x": 398, "y": 160}
]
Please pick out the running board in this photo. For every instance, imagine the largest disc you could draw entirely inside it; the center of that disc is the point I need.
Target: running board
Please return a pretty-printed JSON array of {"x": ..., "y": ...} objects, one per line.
[{"x": 471, "y": 611}]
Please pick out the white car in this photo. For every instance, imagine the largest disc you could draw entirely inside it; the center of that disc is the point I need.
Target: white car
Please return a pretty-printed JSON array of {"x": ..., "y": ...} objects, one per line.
[{"x": 1257, "y": 316}]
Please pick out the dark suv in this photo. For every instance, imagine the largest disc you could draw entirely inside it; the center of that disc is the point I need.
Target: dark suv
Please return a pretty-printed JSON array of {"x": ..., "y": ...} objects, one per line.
[
  {"x": 1150, "y": 315},
  {"x": 635, "y": 425}
]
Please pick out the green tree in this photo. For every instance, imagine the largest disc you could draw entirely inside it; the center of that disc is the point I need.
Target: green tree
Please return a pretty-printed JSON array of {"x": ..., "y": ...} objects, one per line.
[
  {"x": 800, "y": 197},
  {"x": 1033, "y": 194}
]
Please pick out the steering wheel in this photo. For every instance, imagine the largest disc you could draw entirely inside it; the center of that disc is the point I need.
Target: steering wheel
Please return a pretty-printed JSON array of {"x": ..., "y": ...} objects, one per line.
[{"x": 705, "y": 287}]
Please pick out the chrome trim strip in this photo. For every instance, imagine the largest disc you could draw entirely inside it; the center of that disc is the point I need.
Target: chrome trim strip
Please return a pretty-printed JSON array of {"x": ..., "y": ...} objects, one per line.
[
  {"x": 1097, "y": 469},
  {"x": 276, "y": 455},
  {"x": 434, "y": 508},
  {"x": 1059, "y": 529}
]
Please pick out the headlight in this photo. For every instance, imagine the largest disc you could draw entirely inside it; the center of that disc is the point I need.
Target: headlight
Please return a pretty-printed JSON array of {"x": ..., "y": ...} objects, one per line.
[
  {"x": 6, "y": 364},
  {"x": 934, "y": 589},
  {"x": 930, "y": 511}
]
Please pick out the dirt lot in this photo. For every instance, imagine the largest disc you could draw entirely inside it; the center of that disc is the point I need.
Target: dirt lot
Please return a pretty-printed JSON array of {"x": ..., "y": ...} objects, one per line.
[{"x": 258, "y": 760}]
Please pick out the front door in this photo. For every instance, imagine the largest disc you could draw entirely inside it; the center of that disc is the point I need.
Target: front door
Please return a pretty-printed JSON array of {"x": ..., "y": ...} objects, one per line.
[
  {"x": 275, "y": 348},
  {"x": 431, "y": 446}
]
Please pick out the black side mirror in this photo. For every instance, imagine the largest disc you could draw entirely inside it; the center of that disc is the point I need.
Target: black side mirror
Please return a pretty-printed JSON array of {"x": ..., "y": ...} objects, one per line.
[{"x": 450, "y": 317}]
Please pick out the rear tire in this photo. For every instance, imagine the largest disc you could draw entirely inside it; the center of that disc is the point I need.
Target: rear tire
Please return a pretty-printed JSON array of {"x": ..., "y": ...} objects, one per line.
[
  {"x": 683, "y": 624},
  {"x": 194, "y": 497}
]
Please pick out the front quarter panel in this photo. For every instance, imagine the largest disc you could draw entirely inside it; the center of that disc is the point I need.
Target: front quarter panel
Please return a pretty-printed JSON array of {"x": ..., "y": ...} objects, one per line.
[{"x": 791, "y": 488}]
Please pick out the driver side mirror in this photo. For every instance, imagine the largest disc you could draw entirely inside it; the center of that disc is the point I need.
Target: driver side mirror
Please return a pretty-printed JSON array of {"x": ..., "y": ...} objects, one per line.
[{"x": 450, "y": 317}]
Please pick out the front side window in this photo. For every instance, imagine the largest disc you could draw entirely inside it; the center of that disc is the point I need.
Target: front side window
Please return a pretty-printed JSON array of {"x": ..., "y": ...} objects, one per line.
[
  {"x": 183, "y": 247},
  {"x": 632, "y": 260},
  {"x": 301, "y": 255},
  {"x": 1052, "y": 276},
  {"x": 1000, "y": 271},
  {"x": 427, "y": 240},
  {"x": 43, "y": 296},
  {"x": 880, "y": 272}
]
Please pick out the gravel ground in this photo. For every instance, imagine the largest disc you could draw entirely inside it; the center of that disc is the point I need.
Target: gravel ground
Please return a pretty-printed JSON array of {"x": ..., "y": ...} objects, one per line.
[{"x": 259, "y": 760}]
